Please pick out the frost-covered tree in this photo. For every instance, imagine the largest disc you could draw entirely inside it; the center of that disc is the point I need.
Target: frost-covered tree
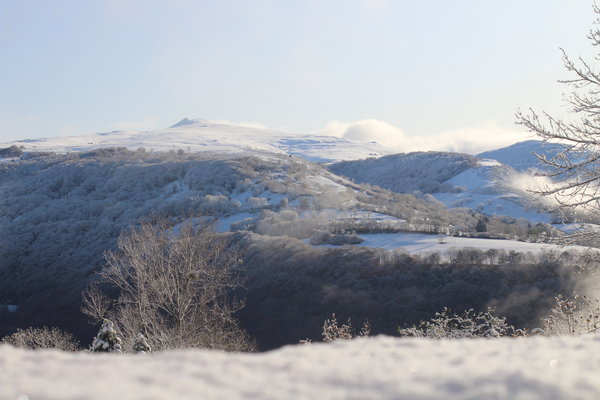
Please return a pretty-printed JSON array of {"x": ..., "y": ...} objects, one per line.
[
  {"x": 575, "y": 315},
  {"x": 107, "y": 339},
  {"x": 175, "y": 285},
  {"x": 466, "y": 325},
  {"x": 576, "y": 169}
]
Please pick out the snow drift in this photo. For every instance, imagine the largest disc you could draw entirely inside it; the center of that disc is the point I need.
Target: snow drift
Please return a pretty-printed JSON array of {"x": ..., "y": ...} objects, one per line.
[{"x": 369, "y": 368}]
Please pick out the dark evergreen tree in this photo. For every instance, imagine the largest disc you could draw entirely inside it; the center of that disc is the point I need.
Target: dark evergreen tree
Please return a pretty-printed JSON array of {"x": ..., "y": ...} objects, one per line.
[
  {"x": 107, "y": 339},
  {"x": 141, "y": 345}
]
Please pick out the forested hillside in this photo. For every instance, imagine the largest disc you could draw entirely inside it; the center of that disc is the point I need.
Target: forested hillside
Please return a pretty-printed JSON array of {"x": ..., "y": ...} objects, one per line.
[{"x": 61, "y": 212}]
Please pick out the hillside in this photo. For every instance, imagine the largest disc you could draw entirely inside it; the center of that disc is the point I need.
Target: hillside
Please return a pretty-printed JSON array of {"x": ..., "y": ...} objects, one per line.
[
  {"x": 62, "y": 211},
  {"x": 457, "y": 180},
  {"x": 405, "y": 173}
]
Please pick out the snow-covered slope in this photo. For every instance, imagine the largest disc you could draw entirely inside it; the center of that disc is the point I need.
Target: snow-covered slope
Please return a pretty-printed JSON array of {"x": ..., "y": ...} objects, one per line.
[
  {"x": 492, "y": 189},
  {"x": 520, "y": 156},
  {"x": 202, "y": 135},
  {"x": 371, "y": 368}
]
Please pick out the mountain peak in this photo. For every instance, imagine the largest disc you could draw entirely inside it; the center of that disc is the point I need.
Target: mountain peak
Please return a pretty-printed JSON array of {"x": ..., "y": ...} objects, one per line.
[
  {"x": 187, "y": 121},
  {"x": 520, "y": 155}
]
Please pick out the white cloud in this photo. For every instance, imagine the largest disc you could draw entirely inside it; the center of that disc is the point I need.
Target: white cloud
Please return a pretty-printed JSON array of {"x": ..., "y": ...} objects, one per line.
[
  {"x": 367, "y": 130},
  {"x": 486, "y": 136}
]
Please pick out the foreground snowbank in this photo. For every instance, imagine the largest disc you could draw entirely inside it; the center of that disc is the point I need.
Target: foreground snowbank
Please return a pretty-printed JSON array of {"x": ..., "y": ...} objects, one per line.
[{"x": 371, "y": 368}]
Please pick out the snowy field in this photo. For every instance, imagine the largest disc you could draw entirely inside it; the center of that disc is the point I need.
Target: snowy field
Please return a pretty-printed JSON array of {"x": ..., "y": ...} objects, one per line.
[
  {"x": 424, "y": 243},
  {"x": 371, "y": 368}
]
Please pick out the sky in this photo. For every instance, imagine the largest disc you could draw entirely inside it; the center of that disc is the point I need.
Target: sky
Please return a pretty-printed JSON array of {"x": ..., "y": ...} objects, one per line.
[{"x": 445, "y": 73}]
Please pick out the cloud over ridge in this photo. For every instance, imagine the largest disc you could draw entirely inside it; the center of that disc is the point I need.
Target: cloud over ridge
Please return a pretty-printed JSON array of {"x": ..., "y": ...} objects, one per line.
[{"x": 472, "y": 140}]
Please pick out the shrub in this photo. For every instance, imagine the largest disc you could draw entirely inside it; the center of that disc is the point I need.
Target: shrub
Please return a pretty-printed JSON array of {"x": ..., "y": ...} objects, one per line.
[
  {"x": 42, "y": 338},
  {"x": 577, "y": 315},
  {"x": 333, "y": 331},
  {"x": 467, "y": 325}
]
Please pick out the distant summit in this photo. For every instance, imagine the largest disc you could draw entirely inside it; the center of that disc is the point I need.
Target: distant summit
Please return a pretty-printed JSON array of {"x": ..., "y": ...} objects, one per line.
[
  {"x": 187, "y": 121},
  {"x": 520, "y": 155}
]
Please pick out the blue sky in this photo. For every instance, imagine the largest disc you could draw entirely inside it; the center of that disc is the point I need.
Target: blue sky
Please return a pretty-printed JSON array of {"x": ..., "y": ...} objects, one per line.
[{"x": 424, "y": 68}]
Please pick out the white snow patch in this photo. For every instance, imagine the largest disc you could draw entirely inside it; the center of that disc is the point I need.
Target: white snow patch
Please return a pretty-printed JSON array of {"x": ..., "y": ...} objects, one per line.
[
  {"x": 370, "y": 368},
  {"x": 487, "y": 162}
]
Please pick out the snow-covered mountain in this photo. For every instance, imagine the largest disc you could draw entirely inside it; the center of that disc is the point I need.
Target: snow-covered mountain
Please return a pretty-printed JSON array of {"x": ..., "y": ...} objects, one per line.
[{"x": 193, "y": 135}]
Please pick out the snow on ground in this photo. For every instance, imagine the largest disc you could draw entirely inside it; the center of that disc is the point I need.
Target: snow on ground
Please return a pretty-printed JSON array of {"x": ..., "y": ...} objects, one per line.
[
  {"x": 369, "y": 368},
  {"x": 201, "y": 135},
  {"x": 424, "y": 243},
  {"x": 323, "y": 183}
]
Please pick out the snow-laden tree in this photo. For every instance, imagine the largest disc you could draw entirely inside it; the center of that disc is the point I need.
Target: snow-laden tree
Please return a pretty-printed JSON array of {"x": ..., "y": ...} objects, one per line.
[
  {"x": 141, "y": 345},
  {"x": 107, "y": 340},
  {"x": 575, "y": 171}
]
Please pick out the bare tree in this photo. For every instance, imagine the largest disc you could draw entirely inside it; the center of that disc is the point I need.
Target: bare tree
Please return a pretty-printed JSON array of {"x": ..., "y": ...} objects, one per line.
[
  {"x": 576, "y": 169},
  {"x": 175, "y": 285}
]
